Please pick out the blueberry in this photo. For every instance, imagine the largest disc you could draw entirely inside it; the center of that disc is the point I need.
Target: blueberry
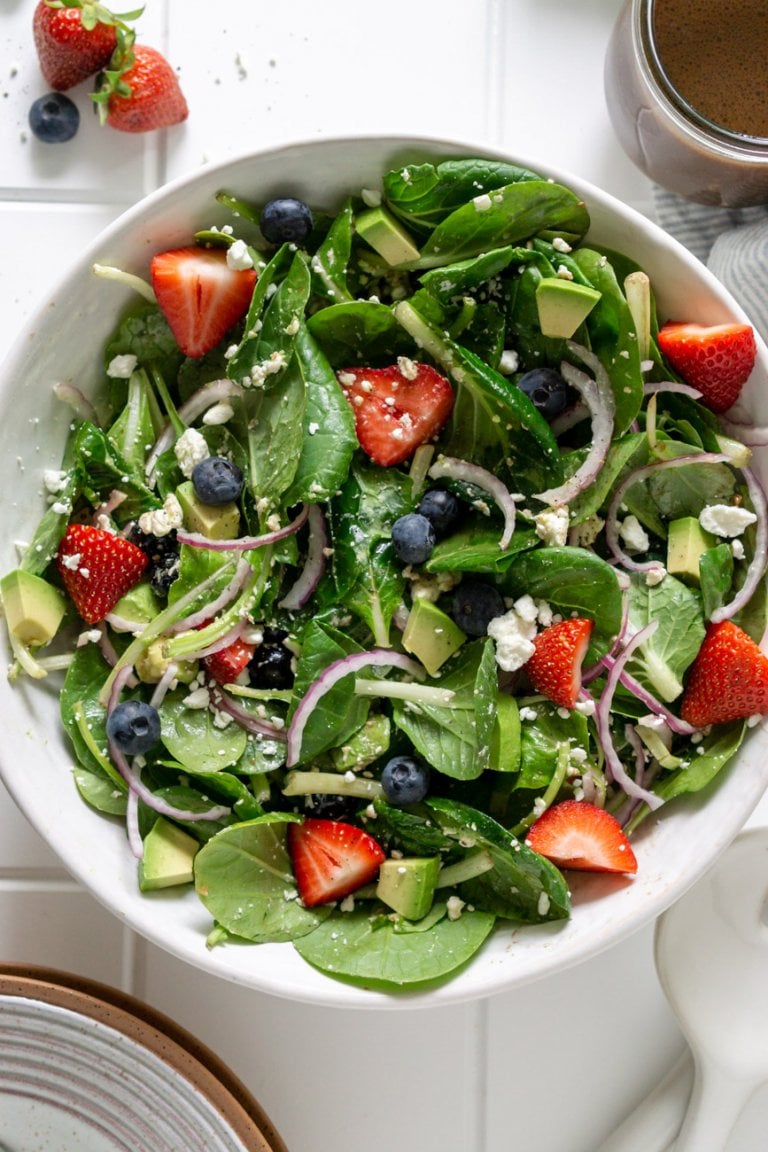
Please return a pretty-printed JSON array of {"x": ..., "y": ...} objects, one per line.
[
  {"x": 53, "y": 118},
  {"x": 271, "y": 666},
  {"x": 329, "y": 806},
  {"x": 286, "y": 221},
  {"x": 133, "y": 727},
  {"x": 441, "y": 508},
  {"x": 547, "y": 389},
  {"x": 405, "y": 780},
  {"x": 163, "y": 553},
  {"x": 475, "y": 604},
  {"x": 413, "y": 538},
  {"x": 217, "y": 480}
]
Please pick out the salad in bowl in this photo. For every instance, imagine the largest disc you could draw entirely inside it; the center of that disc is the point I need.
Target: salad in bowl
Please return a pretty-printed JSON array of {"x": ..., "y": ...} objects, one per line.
[{"x": 394, "y": 608}]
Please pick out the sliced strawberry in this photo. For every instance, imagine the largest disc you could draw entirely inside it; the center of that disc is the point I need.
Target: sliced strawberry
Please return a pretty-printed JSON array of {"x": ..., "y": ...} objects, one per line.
[
  {"x": 554, "y": 669},
  {"x": 199, "y": 295},
  {"x": 97, "y": 568},
  {"x": 576, "y": 834},
  {"x": 716, "y": 360},
  {"x": 396, "y": 410},
  {"x": 728, "y": 680},
  {"x": 141, "y": 92},
  {"x": 331, "y": 859},
  {"x": 226, "y": 665},
  {"x": 72, "y": 42}
]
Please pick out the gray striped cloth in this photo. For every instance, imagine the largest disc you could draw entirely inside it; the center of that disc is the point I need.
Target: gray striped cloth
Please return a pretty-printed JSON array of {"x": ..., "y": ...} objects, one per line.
[{"x": 732, "y": 242}]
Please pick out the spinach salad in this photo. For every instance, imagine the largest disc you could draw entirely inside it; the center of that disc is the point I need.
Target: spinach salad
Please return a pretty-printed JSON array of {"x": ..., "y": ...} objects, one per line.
[{"x": 372, "y": 638}]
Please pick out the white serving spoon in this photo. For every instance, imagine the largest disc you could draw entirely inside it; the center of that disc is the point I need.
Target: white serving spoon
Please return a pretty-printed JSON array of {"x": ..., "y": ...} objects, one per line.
[{"x": 712, "y": 960}]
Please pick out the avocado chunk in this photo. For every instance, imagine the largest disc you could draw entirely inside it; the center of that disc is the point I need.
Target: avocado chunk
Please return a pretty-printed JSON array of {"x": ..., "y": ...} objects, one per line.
[
  {"x": 364, "y": 746},
  {"x": 505, "y": 742},
  {"x": 139, "y": 605},
  {"x": 687, "y": 541},
  {"x": 430, "y": 635},
  {"x": 33, "y": 608},
  {"x": 152, "y": 664},
  {"x": 216, "y": 521},
  {"x": 386, "y": 236},
  {"x": 169, "y": 854},
  {"x": 408, "y": 885},
  {"x": 563, "y": 305}
]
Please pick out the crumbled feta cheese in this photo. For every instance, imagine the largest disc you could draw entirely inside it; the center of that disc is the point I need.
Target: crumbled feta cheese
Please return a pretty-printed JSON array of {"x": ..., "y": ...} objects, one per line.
[
  {"x": 634, "y": 535},
  {"x": 561, "y": 245},
  {"x": 190, "y": 449},
  {"x": 218, "y": 413},
  {"x": 455, "y": 906},
  {"x": 266, "y": 368},
  {"x": 737, "y": 549},
  {"x": 199, "y": 698},
  {"x": 513, "y": 633},
  {"x": 552, "y": 526},
  {"x": 584, "y": 534},
  {"x": 482, "y": 203},
  {"x": 92, "y": 636},
  {"x": 407, "y": 367},
  {"x": 371, "y": 197},
  {"x": 239, "y": 258},
  {"x": 54, "y": 480},
  {"x": 509, "y": 362},
  {"x": 655, "y": 575},
  {"x": 122, "y": 367},
  {"x": 564, "y": 273},
  {"x": 726, "y": 519},
  {"x": 162, "y": 521}
]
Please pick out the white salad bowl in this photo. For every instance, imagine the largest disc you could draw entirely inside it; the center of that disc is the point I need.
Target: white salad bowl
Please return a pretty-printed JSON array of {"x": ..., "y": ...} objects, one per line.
[{"x": 62, "y": 343}]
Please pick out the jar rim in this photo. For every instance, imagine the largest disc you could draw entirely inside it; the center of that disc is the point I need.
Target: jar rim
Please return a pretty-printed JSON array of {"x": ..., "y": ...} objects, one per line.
[{"x": 739, "y": 140}]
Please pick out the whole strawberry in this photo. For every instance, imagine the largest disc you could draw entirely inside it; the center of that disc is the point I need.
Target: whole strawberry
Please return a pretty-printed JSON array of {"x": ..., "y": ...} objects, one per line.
[
  {"x": 728, "y": 680},
  {"x": 140, "y": 90},
  {"x": 97, "y": 568},
  {"x": 74, "y": 39}
]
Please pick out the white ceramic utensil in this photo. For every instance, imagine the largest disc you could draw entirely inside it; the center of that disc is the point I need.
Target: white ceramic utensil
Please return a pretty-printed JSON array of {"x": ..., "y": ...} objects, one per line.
[{"x": 712, "y": 960}]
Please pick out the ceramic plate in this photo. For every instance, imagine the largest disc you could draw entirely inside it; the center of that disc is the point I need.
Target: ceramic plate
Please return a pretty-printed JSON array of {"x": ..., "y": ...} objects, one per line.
[
  {"x": 85, "y": 1067},
  {"x": 673, "y": 849}
]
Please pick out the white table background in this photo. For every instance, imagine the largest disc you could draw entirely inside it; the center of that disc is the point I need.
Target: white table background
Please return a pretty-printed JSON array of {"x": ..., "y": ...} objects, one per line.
[{"x": 556, "y": 1065}]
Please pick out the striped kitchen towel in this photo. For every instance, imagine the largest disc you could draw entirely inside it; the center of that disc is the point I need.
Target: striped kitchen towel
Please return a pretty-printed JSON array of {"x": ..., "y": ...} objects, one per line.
[{"x": 732, "y": 242}]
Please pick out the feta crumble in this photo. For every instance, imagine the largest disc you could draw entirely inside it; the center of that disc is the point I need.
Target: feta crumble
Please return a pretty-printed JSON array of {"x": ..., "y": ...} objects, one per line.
[
  {"x": 122, "y": 367},
  {"x": 726, "y": 519},
  {"x": 239, "y": 258},
  {"x": 190, "y": 449}
]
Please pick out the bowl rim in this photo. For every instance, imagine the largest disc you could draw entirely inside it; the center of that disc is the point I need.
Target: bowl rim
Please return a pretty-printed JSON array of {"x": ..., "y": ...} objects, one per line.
[{"x": 491, "y": 970}]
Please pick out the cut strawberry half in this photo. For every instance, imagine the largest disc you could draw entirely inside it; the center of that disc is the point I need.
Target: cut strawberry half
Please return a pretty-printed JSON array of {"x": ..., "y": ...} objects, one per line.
[
  {"x": 226, "y": 665},
  {"x": 331, "y": 859},
  {"x": 396, "y": 409},
  {"x": 200, "y": 296},
  {"x": 578, "y": 835},
  {"x": 554, "y": 669},
  {"x": 717, "y": 360},
  {"x": 728, "y": 680},
  {"x": 97, "y": 568}
]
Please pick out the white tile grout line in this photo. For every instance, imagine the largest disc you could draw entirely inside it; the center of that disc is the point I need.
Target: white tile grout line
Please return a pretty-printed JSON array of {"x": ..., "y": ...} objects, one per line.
[{"x": 476, "y": 1076}]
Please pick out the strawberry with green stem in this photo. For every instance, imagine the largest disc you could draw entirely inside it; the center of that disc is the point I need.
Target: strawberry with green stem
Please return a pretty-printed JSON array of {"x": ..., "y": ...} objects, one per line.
[
  {"x": 75, "y": 39},
  {"x": 139, "y": 91}
]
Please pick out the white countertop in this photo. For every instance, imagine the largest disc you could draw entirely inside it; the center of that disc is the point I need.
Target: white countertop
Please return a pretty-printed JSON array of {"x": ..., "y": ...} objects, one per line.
[{"x": 556, "y": 1065}]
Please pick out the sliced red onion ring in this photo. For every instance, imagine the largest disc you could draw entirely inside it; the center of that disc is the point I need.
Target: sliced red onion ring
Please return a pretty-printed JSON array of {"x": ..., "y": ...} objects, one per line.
[
  {"x": 314, "y": 565},
  {"x": 234, "y": 633},
  {"x": 757, "y": 564},
  {"x": 377, "y": 657},
  {"x": 603, "y": 719},
  {"x": 164, "y": 684},
  {"x": 674, "y": 723},
  {"x": 76, "y": 400},
  {"x": 224, "y": 703},
  {"x": 611, "y": 517},
  {"x": 122, "y": 624},
  {"x": 120, "y": 681},
  {"x": 243, "y": 543},
  {"x": 452, "y": 468},
  {"x": 131, "y": 773},
  {"x": 198, "y": 403},
  {"x": 242, "y": 573},
  {"x": 653, "y": 387},
  {"x": 132, "y": 825},
  {"x": 597, "y": 394}
]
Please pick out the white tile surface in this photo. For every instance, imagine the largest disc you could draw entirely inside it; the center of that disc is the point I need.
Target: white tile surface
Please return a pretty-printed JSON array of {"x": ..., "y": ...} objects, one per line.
[{"x": 554, "y": 1065}]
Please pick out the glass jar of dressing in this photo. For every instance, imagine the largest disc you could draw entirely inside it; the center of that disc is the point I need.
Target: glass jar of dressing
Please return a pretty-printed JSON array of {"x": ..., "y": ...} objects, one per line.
[{"x": 686, "y": 84}]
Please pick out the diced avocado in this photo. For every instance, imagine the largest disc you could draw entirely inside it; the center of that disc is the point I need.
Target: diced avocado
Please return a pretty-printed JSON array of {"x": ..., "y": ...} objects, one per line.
[
  {"x": 153, "y": 662},
  {"x": 169, "y": 854},
  {"x": 140, "y": 605},
  {"x": 431, "y": 635},
  {"x": 364, "y": 746},
  {"x": 686, "y": 543},
  {"x": 563, "y": 305},
  {"x": 386, "y": 236},
  {"x": 33, "y": 608},
  {"x": 408, "y": 885},
  {"x": 216, "y": 521}
]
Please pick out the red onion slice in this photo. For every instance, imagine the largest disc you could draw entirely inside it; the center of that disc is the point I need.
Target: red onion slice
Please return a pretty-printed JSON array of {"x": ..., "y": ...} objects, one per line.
[
  {"x": 757, "y": 564},
  {"x": 314, "y": 565},
  {"x": 674, "y": 723},
  {"x": 377, "y": 657},
  {"x": 234, "y": 633},
  {"x": 611, "y": 518},
  {"x": 243, "y": 543},
  {"x": 452, "y": 468},
  {"x": 197, "y": 403},
  {"x": 243, "y": 572},
  {"x": 132, "y": 825},
  {"x": 597, "y": 394},
  {"x": 653, "y": 387},
  {"x": 603, "y": 719},
  {"x": 131, "y": 773},
  {"x": 224, "y": 703},
  {"x": 77, "y": 400}
]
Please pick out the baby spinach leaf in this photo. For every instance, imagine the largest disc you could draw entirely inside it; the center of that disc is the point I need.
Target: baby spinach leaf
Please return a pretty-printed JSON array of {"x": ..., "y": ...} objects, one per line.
[
  {"x": 477, "y": 550},
  {"x": 456, "y": 739},
  {"x": 275, "y": 437},
  {"x": 329, "y": 264},
  {"x": 630, "y": 451},
  {"x": 454, "y": 280},
  {"x": 339, "y": 712},
  {"x": 136, "y": 428},
  {"x": 716, "y": 577},
  {"x": 368, "y": 949},
  {"x": 574, "y": 582},
  {"x": 359, "y": 332},
  {"x": 100, "y": 793},
  {"x": 243, "y": 877},
  {"x": 101, "y": 468},
  {"x": 143, "y": 332},
  {"x": 661, "y": 661},
  {"x": 541, "y": 738},
  {"x": 83, "y": 717},
  {"x": 684, "y": 491},
  {"x": 251, "y": 351},
  {"x": 192, "y": 737},
  {"x": 522, "y": 885}
]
